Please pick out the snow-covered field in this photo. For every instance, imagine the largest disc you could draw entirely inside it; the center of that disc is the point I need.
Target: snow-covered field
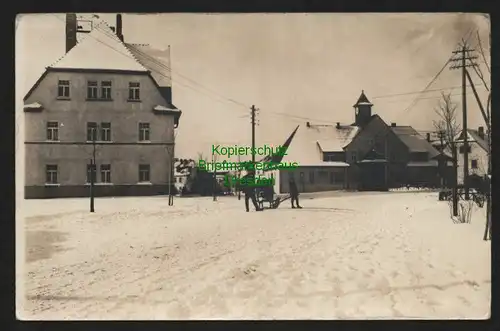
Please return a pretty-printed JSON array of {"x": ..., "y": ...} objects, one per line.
[{"x": 389, "y": 255}]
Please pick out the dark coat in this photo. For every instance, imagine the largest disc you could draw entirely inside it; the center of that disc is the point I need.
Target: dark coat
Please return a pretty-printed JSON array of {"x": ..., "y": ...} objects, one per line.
[{"x": 293, "y": 189}]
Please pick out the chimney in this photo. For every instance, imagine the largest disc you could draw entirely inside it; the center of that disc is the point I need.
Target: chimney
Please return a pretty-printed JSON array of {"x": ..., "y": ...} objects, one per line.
[
  {"x": 308, "y": 124},
  {"x": 480, "y": 132},
  {"x": 428, "y": 137},
  {"x": 393, "y": 124},
  {"x": 338, "y": 125},
  {"x": 119, "y": 26},
  {"x": 70, "y": 31}
]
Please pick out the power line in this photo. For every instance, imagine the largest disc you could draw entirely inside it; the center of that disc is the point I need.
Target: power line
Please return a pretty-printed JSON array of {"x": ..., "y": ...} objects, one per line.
[
  {"x": 469, "y": 33},
  {"x": 419, "y": 92},
  {"x": 131, "y": 57},
  {"x": 164, "y": 66}
]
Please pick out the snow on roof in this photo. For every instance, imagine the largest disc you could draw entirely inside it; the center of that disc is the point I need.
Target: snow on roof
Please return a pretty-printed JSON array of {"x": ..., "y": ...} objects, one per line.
[
  {"x": 155, "y": 60},
  {"x": 474, "y": 137},
  {"x": 413, "y": 140},
  {"x": 430, "y": 163},
  {"x": 163, "y": 108},
  {"x": 34, "y": 105},
  {"x": 100, "y": 49},
  {"x": 308, "y": 144}
]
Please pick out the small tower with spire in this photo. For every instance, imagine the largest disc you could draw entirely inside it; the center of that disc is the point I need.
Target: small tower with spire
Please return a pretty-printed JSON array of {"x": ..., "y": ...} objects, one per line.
[{"x": 363, "y": 110}]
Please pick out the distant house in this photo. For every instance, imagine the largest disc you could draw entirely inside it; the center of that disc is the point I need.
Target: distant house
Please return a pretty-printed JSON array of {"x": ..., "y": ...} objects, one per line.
[
  {"x": 318, "y": 152},
  {"x": 99, "y": 94},
  {"x": 365, "y": 155},
  {"x": 477, "y": 153}
]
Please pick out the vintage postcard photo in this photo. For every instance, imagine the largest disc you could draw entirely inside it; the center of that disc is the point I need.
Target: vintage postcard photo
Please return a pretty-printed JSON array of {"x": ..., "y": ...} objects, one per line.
[{"x": 253, "y": 166}]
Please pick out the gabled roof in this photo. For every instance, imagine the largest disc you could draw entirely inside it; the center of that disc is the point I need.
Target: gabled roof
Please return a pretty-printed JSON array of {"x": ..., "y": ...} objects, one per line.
[
  {"x": 310, "y": 141},
  {"x": 101, "y": 49},
  {"x": 335, "y": 138},
  {"x": 414, "y": 141},
  {"x": 363, "y": 100},
  {"x": 474, "y": 137},
  {"x": 156, "y": 61}
]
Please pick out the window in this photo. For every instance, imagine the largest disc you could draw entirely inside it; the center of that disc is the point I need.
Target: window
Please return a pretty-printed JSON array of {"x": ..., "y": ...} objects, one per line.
[
  {"x": 144, "y": 132},
  {"x": 144, "y": 170},
  {"x": 334, "y": 156},
  {"x": 105, "y": 173},
  {"x": 106, "y": 131},
  {"x": 462, "y": 149},
  {"x": 91, "y": 131},
  {"x": 92, "y": 90},
  {"x": 353, "y": 157},
  {"x": 473, "y": 164},
  {"x": 106, "y": 90},
  {"x": 63, "y": 89},
  {"x": 134, "y": 91},
  {"x": 51, "y": 174},
  {"x": 90, "y": 173},
  {"x": 52, "y": 131},
  {"x": 311, "y": 177}
]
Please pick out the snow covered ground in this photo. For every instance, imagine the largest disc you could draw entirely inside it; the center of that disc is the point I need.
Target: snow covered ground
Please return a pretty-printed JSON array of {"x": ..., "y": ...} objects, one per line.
[{"x": 350, "y": 256}]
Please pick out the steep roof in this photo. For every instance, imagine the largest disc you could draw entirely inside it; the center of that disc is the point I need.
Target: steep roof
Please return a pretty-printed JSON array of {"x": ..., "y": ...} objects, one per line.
[
  {"x": 155, "y": 60},
  {"x": 363, "y": 100},
  {"x": 100, "y": 49},
  {"x": 474, "y": 137},
  {"x": 310, "y": 141},
  {"x": 413, "y": 140}
]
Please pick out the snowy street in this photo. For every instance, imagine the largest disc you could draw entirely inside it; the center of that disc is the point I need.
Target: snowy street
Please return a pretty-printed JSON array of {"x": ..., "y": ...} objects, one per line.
[{"x": 380, "y": 255}]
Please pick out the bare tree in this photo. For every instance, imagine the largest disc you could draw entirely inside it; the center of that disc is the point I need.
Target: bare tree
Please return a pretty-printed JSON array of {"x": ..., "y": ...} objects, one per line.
[{"x": 449, "y": 129}]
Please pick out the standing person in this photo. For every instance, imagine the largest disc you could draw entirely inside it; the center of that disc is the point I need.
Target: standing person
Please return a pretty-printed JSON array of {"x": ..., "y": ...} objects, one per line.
[
  {"x": 249, "y": 191},
  {"x": 294, "y": 193}
]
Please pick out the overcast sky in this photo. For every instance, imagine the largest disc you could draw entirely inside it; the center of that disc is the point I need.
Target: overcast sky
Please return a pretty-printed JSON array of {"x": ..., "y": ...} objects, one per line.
[{"x": 301, "y": 65}]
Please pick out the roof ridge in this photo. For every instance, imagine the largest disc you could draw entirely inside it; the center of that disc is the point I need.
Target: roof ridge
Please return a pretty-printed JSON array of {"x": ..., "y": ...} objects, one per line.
[
  {"x": 77, "y": 43},
  {"x": 103, "y": 34},
  {"x": 115, "y": 36}
]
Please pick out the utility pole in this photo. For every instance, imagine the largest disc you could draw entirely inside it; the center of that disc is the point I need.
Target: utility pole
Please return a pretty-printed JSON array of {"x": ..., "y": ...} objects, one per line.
[
  {"x": 214, "y": 178},
  {"x": 445, "y": 166},
  {"x": 464, "y": 56},
  {"x": 93, "y": 170},
  {"x": 239, "y": 177},
  {"x": 254, "y": 110}
]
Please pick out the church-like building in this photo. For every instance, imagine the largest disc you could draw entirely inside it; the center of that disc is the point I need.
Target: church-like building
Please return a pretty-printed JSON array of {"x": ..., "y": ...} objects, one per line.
[{"x": 368, "y": 154}]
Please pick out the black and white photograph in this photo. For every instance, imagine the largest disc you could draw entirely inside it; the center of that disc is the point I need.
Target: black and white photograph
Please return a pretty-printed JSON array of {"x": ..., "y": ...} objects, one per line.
[{"x": 253, "y": 166}]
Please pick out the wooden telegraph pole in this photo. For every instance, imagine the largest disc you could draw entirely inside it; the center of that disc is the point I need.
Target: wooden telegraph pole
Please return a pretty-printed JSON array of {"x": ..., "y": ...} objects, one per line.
[
  {"x": 254, "y": 110},
  {"x": 239, "y": 177},
  {"x": 464, "y": 56},
  {"x": 93, "y": 170}
]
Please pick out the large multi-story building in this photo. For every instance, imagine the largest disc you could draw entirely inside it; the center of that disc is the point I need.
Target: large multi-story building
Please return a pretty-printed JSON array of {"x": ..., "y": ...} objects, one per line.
[{"x": 99, "y": 99}]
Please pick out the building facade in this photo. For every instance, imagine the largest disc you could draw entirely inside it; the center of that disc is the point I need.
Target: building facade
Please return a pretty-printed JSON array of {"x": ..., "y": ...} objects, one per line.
[
  {"x": 368, "y": 154},
  {"x": 477, "y": 153},
  {"x": 95, "y": 103}
]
